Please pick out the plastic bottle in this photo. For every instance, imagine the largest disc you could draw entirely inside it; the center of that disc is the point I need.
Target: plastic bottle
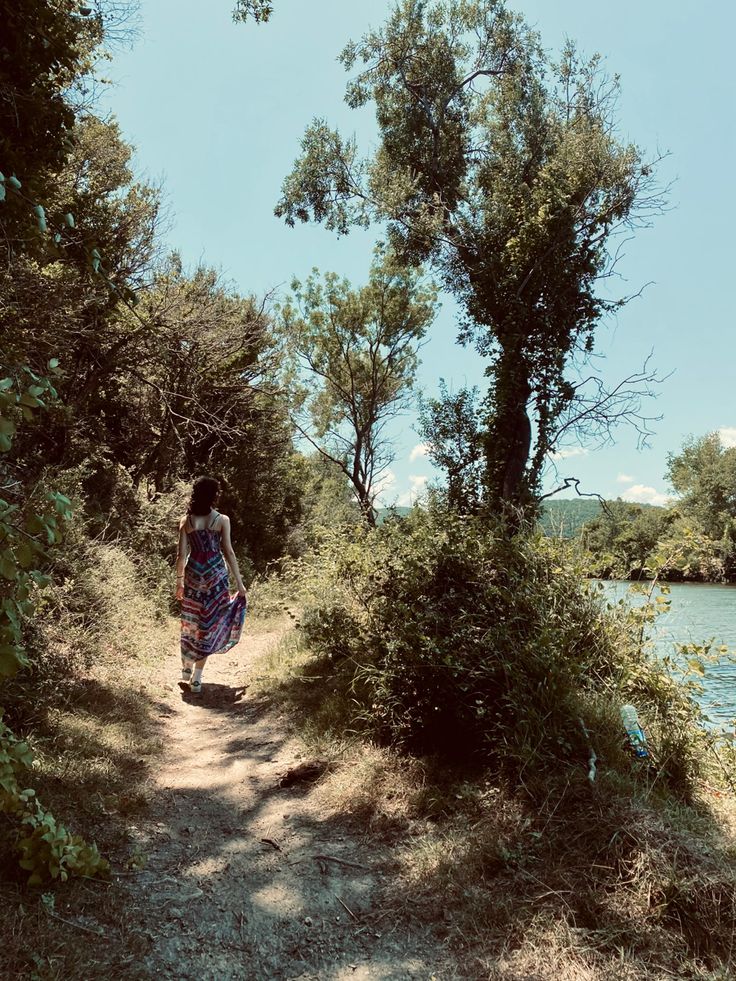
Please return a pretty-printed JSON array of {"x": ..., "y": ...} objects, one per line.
[{"x": 634, "y": 731}]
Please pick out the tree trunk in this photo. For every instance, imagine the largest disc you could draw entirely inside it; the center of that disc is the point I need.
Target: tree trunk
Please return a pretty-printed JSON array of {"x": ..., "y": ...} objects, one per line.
[{"x": 507, "y": 442}]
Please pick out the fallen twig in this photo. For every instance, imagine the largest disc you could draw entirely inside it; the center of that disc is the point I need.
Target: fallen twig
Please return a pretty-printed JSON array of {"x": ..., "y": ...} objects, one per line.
[
  {"x": 340, "y": 861},
  {"x": 272, "y": 843},
  {"x": 345, "y": 906},
  {"x": 95, "y": 933}
]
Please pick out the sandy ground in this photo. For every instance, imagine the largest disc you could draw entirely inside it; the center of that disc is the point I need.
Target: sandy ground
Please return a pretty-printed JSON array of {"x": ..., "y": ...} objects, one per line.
[{"x": 234, "y": 885}]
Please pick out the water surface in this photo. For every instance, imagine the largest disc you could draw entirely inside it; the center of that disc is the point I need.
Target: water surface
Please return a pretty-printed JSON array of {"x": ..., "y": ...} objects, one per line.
[{"x": 699, "y": 612}]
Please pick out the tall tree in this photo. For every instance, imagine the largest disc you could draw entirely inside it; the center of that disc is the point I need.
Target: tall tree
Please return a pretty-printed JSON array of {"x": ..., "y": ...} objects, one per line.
[
  {"x": 503, "y": 170},
  {"x": 359, "y": 350}
]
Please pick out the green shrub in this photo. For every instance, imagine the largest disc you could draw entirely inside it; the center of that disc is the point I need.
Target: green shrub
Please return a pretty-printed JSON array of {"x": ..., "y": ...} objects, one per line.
[{"x": 455, "y": 639}]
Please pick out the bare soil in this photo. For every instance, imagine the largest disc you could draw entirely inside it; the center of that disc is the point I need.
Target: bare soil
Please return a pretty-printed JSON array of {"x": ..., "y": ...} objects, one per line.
[{"x": 245, "y": 878}]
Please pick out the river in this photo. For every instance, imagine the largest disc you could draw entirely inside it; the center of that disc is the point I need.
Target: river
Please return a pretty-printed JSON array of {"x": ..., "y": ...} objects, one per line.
[{"x": 698, "y": 613}]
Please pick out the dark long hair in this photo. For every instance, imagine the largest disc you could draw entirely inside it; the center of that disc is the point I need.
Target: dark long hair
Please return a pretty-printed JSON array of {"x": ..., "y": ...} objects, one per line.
[{"x": 204, "y": 495}]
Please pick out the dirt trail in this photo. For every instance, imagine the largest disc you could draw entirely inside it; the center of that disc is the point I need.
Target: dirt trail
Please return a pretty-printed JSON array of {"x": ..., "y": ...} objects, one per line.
[{"x": 232, "y": 888}]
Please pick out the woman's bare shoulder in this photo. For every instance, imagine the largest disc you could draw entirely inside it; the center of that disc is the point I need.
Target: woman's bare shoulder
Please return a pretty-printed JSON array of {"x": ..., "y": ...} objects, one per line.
[{"x": 183, "y": 522}]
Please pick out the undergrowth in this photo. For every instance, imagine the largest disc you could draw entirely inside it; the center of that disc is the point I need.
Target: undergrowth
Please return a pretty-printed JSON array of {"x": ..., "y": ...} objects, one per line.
[
  {"x": 83, "y": 707},
  {"x": 543, "y": 873}
]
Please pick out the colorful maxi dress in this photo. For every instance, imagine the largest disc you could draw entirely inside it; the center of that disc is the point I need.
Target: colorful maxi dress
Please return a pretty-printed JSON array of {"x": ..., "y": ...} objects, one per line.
[{"x": 211, "y": 619}]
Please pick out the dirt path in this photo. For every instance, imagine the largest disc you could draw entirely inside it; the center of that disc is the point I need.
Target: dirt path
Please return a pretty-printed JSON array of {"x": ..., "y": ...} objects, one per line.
[{"x": 233, "y": 887}]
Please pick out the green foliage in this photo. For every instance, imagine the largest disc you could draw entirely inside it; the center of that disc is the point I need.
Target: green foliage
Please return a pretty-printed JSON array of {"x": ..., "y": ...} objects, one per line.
[
  {"x": 457, "y": 641},
  {"x": 326, "y": 503},
  {"x": 704, "y": 474},
  {"x": 47, "y": 50},
  {"x": 28, "y": 524},
  {"x": 505, "y": 172},
  {"x": 258, "y": 10},
  {"x": 27, "y": 527},
  {"x": 452, "y": 426},
  {"x": 47, "y": 849},
  {"x": 694, "y": 538},
  {"x": 357, "y": 353},
  {"x": 622, "y": 537}
]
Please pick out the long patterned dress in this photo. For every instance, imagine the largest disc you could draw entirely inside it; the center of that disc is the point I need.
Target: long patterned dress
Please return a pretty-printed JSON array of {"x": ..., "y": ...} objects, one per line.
[{"x": 211, "y": 619}]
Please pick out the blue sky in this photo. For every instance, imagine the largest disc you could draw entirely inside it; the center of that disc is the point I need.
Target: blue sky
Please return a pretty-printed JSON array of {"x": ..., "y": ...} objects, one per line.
[{"x": 216, "y": 110}]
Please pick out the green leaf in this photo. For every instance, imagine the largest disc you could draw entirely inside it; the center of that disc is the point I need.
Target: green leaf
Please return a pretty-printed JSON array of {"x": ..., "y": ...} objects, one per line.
[
  {"x": 40, "y": 214},
  {"x": 8, "y": 568},
  {"x": 5, "y": 384},
  {"x": 25, "y": 554},
  {"x": 11, "y": 659},
  {"x": 5, "y": 443}
]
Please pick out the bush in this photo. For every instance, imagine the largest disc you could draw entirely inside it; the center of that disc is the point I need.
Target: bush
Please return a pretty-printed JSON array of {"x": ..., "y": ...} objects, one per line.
[{"x": 456, "y": 640}]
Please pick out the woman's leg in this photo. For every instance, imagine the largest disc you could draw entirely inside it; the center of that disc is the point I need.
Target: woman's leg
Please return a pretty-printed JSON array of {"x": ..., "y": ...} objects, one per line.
[{"x": 197, "y": 673}]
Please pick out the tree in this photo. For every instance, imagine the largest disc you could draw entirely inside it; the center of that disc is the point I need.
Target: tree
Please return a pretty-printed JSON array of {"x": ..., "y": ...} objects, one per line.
[
  {"x": 48, "y": 54},
  {"x": 46, "y": 50},
  {"x": 258, "y": 10},
  {"x": 451, "y": 427},
  {"x": 623, "y": 536},
  {"x": 505, "y": 172},
  {"x": 327, "y": 503},
  {"x": 704, "y": 474},
  {"x": 359, "y": 349}
]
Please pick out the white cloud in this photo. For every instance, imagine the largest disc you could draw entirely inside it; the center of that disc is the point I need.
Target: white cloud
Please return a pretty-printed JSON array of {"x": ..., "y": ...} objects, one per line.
[
  {"x": 624, "y": 478},
  {"x": 421, "y": 449},
  {"x": 728, "y": 436},
  {"x": 417, "y": 485},
  {"x": 383, "y": 486},
  {"x": 565, "y": 454},
  {"x": 640, "y": 494}
]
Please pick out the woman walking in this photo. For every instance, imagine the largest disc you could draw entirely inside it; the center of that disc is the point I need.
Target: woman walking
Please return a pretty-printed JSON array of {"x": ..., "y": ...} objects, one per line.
[{"x": 211, "y": 619}]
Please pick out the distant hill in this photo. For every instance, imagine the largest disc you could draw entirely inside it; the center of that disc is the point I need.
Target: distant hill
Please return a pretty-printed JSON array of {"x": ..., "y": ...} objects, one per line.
[
  {"x": 564, "y": 517},
  {"x": 383, "y": 513},
  {"x": 561, "y": 517}
]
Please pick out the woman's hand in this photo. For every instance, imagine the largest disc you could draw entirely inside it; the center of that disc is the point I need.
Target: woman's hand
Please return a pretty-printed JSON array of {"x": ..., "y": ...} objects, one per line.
[
  {"x": 242, "y": 592},
  {"x": 179, "y": 591}
]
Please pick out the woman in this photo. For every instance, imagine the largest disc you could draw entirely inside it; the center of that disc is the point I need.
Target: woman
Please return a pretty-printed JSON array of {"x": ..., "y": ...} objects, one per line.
[{"x": 211, "y": 620}]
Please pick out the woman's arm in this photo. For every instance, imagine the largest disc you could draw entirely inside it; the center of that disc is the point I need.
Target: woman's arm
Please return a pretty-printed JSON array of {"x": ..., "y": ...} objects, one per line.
[
  {"x": 181, "y": 559},
  {"x": 227, "y": 551}
]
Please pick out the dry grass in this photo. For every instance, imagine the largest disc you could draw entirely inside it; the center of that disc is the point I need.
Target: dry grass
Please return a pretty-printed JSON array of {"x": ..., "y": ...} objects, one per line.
[{"x": 562, "y": 880}]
